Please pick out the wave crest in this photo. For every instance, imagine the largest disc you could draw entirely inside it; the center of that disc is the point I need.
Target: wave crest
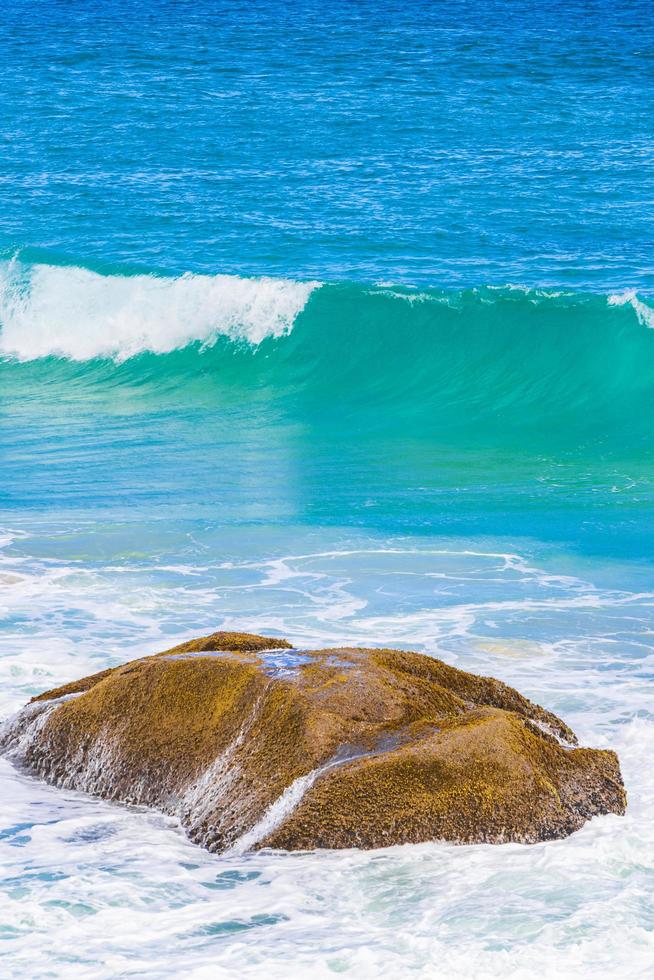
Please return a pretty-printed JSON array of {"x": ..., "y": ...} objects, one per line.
[
  {"x": 72, "y": 312},
  {"x": 644, "y": 312}
]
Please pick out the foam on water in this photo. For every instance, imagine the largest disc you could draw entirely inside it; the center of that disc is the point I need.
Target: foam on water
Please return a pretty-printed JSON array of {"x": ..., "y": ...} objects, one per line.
[
  {"x": 63, "y": 311},
  {"x": 630, "y": 298},
  {"x": 179, "y": 451},
  {"x": 91, "y": 889}
]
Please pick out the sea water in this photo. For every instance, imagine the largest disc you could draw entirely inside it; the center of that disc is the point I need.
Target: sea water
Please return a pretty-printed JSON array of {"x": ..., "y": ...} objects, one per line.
[{"x": 334, "y": 323}]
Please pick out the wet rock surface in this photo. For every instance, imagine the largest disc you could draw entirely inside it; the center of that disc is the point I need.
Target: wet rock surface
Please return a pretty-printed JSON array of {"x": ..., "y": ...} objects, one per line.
[{"x": 254, "y": 744}]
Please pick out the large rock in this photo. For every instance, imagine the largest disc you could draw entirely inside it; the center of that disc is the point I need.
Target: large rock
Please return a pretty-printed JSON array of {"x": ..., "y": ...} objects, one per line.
[{"x": 254, "y": 744}]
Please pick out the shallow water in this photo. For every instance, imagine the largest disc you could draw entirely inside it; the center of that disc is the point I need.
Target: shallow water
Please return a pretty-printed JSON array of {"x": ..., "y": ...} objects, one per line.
[
  {"x": 334, "y": 323},
  {"x": 99, "y": 890}
]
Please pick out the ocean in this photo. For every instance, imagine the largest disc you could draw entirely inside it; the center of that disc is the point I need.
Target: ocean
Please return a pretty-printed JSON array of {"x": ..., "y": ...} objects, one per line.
[{"x": 333, "y": 323}]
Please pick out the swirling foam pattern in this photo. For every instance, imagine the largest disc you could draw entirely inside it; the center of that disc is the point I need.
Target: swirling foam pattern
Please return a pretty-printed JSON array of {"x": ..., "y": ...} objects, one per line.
[{"x": 262, "y": 368}]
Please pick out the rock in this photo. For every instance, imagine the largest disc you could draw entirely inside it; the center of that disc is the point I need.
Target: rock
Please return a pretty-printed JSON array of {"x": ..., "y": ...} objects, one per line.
[{"x": 254, "y": 744}]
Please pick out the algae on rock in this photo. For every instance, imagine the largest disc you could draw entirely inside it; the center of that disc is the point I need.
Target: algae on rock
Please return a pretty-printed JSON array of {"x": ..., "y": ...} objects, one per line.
[{"x": 247, "y": 740}]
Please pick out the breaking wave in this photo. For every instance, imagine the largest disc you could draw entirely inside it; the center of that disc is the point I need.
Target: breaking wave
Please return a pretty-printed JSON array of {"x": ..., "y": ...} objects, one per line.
[
  {"x": 71, "y": 312},
  {"x": 560, "y": 366}
]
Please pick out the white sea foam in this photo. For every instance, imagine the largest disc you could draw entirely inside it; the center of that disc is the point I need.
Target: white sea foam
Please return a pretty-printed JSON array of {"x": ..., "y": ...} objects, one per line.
[
  {"x": 278, "y": 811},
  {"x": 78, "y": 314},
  {"x": 99, "y": 890},
  {"x": 283, "y": 807},
  {"x": 644, "y": 312}
]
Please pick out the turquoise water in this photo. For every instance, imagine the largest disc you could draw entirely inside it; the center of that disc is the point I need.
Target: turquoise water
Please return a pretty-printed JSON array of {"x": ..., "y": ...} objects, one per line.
[{"x": 335, "y": 323}]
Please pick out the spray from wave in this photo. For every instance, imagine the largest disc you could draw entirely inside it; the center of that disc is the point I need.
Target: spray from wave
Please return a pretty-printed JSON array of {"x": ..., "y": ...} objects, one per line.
[
  {"x": 74, "y": 313},
  {"x": 644, "y": 313}
]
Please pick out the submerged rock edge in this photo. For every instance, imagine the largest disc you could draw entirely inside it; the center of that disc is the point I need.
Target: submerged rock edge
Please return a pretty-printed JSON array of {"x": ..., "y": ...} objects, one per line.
[{"x": 252, "y": 744}]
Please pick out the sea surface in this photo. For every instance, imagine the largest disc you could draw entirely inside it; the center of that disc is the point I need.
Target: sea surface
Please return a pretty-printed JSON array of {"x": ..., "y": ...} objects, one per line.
[{"x": 333, "y": 322}]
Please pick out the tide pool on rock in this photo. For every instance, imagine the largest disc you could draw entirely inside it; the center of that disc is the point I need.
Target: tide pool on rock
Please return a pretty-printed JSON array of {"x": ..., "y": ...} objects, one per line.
[{"x": 250, "y": 746}]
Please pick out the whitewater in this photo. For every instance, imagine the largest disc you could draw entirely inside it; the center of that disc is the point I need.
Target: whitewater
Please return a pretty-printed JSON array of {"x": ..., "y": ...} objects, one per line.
[
  {"x": 115, "y": 545},
  {"x": 333, "y": 323},
  {"x": 76, "y": 313},
  {"x": 99, "y": 890}
]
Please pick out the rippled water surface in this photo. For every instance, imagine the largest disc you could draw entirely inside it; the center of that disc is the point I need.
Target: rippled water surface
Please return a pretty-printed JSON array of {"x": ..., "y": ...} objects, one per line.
[
  {"x": 450, "y": 143},
  {"x": 333, "y": 322}
]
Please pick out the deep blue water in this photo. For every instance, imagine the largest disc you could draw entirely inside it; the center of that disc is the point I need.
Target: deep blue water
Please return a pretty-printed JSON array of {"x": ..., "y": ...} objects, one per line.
[{"x": 447, "y": 143}]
